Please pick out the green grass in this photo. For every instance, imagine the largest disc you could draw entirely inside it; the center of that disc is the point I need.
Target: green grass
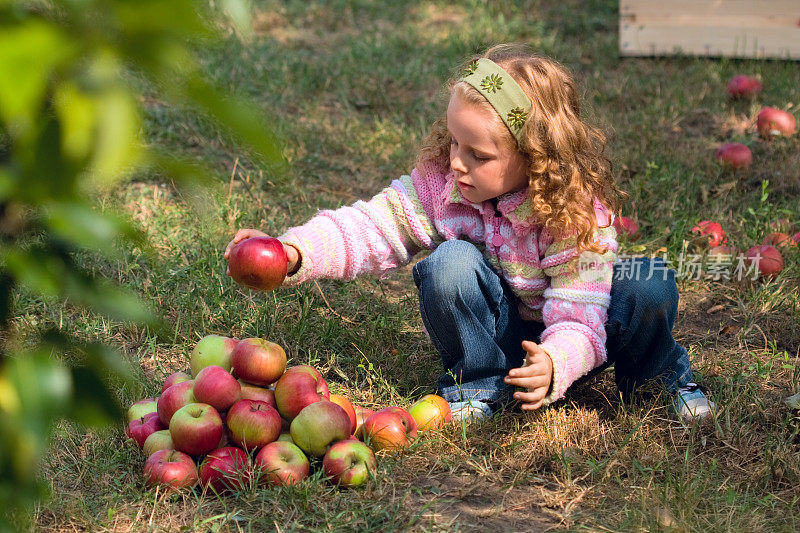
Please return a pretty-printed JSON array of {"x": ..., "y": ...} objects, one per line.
[{"x": 352, "y": 87}]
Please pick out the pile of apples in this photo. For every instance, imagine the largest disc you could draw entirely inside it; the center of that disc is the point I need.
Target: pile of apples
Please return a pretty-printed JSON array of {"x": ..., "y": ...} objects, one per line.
[
  {"x": 770, "y": 123},
  {"x": 243, "y": 418},
  {"x": 765, "y": 256}
]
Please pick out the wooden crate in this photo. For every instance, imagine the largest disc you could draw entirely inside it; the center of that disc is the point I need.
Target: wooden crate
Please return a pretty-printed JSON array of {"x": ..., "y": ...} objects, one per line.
[{"x": 731, "y": 28}]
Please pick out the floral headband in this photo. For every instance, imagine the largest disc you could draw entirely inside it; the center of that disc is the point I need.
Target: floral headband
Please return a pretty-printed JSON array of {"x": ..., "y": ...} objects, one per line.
[{"x": 500, "y": 90}]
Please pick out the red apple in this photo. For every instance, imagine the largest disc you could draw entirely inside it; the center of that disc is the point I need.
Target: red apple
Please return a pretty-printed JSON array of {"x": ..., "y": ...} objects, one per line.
[
  {"x": 217, "y": 387},
  {"x": 767, "y": 259},
  {"x": 297, "y": 389},
  {"x": 141, "y": 428},
  {"x": 722, "y": 249},
  {"x": 362, "y": 413},
  {"x": 626, "y": 226},
  {"x": 743, "y": 86},
  {"x": 171, "y": 468},
  {"x": 430, "y": 412},
  {"x": 734, "y": 155},
  {"x": 779, "y": 240},
  {"x": 172, "y": 379},
  {"x": 158, "y": 440},
  {"x": 142, "y": 408},
  {"x": 345, "y": 404},
  {"x": 212, "y": 350},
  {"x": 254, "y": 392},
  {"x": 349, "y": 463},
  {"x": 282, "y": 463},
  {"x": 173, "y": 399},
  {"x": 781, "y": 225},
  {"x": 258, "y": 361},
  {"x": 712, "y": 230},
  {"x": 225, "y": 469},
  {"x": 796, "y": 238},
  {"x": 196, "y": 428},
  {"x": 259, "y": 263},
  {"x": 389, "y": 429},
  {"x": 318, "y": 426},
  {"x": 773, "y": 122},
  {"x": 253, "y": 424}
]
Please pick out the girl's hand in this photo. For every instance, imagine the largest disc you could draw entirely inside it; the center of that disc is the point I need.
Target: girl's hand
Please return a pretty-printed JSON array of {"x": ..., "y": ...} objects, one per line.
[
  {"x": 292, "y": 256},
  {"x": 536, "y": 376}
]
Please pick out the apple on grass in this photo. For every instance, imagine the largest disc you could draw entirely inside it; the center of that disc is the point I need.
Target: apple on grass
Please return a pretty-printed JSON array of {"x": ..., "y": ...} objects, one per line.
[
  {"x": 172, "y": 468},
  {"x": 217, "y": 387},
  {"x": 362, "y": 413},
  {"x": 225, "y": 469},
  {"x": 734, "y": 155},
  {"x": 259, "y": 263},
  {"x": 196, "y": 428},
  {"x": 141, "y": 428},
  {"x": 349, "y": 463},
  {"x": 430, "y": 412},
  {"x": 282, "y": 463},
  {"x": 258, "y": 361},
  {"x": 298, "y": 388},
  {"x": 767, "y": 260},
  {"x": 389, "y": 429},
  {"x": 212, "y": 350},
  {"x": 773, "y": 122},
  {"x": 318, "y": 426},
  {"x": 778, "y": 239},
  {"x": 741, "y": 86},
  {"x": 253, "y": 424},
  {"x": 142, "y": 408},
  {"x": 174, "y": 378},
  {"x": 712, "y": 231},
  {"x": 158, "y": 440},
  {"x": 173, "y": 399},
  {"x": 626, "y": 226},
  {"x": 345, "y": 404},
  {"x": 796, "y": 238}
]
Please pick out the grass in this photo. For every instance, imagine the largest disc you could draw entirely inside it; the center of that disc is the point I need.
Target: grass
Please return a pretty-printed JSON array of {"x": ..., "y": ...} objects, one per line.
[{"x": 352, "y": 87}]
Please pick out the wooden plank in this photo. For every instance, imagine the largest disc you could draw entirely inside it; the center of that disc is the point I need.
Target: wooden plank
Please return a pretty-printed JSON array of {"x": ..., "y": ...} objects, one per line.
[{"x": 733, "y": 28}]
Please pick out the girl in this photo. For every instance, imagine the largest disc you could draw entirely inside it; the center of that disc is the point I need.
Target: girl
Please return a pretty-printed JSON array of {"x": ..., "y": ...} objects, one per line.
[{"x": 521, "y": 295}]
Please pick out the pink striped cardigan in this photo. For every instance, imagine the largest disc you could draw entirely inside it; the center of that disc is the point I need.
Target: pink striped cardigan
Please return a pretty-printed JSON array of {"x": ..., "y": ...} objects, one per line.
[{"x": 424, "y": 209}]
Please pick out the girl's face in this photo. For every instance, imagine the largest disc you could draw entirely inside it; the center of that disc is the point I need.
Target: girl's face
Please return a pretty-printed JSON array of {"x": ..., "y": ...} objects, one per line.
[{"x": 484, "y": 166}]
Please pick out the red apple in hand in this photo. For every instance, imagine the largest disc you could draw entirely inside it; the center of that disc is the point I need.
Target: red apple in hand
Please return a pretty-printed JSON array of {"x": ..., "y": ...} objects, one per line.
[
  {"x": 430, "y": 412},
  {"x": 253, "y": 424},
  {"x": 212, "y": 350},
  {"x": 171, "y": 468},
  {"x": 158, "y": 440},
  {"x": 391, "y": 428},
  {"x": 734, "y": 155},
  {"x": 225, "y": 469},
  {"x": 773, "y": 122},
  {"x": 173, "y": 379},
  {"x": 258, "y": 262},
  {"x": 349, "y": 463},
  {"x": 196, "y": 428},
  {"x": 712, "y": 230},
  {"x": 282, "y": 463},
  {"x": 298, "y": 388},
  {"x": 217, "y": 387},
  {"x": 318, "y": 426},
  {"x": 173, "y": 399},
  {"x": 142, "y": 408},
  {"x": 743, "y": 86},
  {"x": 258, "y": 361},
  {"x": 141, "y": 428},
  {"x": 766, "y": 259}
]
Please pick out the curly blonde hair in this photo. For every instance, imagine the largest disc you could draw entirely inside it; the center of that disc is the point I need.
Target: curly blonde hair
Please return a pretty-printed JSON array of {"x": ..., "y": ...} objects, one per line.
[{"x": 567, "y": 167}]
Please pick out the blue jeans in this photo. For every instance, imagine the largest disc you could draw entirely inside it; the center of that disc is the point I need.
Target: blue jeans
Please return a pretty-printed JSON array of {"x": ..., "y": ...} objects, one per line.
[{"x": 472, "y": 318}]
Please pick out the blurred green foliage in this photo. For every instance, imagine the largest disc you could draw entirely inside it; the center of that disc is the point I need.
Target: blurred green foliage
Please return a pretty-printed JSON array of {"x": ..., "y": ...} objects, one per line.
[{"x": 71, "y": 74}]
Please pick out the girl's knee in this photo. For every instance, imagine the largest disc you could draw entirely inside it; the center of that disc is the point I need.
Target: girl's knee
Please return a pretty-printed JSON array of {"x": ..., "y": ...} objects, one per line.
[
  {"x": 651, "y": 286},
  {"x": 449, "y": 270}
]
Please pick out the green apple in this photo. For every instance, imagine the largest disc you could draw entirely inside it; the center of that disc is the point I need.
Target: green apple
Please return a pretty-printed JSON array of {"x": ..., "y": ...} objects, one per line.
[{"x": 212, "y": 350}]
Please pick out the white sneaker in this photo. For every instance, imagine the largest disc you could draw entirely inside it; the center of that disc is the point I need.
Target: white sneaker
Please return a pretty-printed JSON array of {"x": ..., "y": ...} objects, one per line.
[
  {"x": 470, "y": 410},
  {"x": 691, "y": 404}
]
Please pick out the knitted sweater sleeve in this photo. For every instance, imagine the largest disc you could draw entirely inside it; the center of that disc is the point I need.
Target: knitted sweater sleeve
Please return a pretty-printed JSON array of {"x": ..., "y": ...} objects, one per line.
[
  {"x": 576, "y": 306},
  {"x": 372, "y": 237}
]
